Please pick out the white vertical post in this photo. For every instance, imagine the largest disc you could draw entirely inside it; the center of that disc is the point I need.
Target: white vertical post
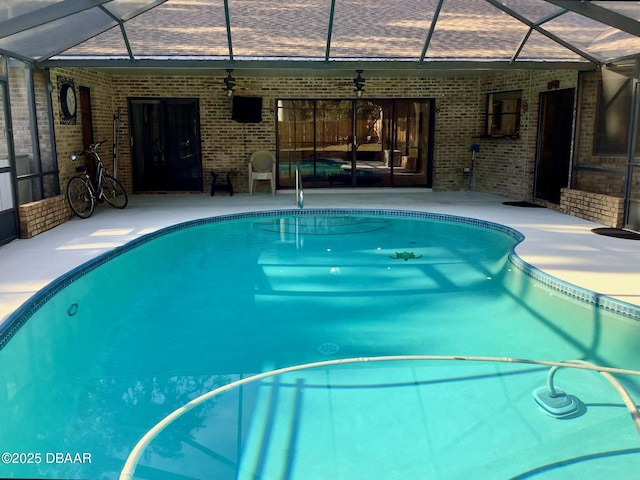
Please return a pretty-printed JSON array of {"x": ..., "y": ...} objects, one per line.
[{"x": 299, "y": 192}]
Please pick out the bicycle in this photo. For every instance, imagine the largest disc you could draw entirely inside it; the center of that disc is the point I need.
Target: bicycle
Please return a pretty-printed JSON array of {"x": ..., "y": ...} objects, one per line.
[{"x": 82, "y": 193}]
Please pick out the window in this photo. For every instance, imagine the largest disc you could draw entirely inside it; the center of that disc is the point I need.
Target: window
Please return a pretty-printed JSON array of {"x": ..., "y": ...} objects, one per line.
[
  {"x": 503, "y": 114},
  {"x": 36, "y": 166},
  {"x": 613, "y": 116}
]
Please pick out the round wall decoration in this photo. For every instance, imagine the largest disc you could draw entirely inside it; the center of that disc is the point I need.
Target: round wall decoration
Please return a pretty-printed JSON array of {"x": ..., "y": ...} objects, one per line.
[{"x": 68, "y": 101}]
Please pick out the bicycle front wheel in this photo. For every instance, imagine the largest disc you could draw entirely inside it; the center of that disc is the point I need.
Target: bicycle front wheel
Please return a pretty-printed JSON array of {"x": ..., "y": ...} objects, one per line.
[
  {"x": 80, "y": 198},
  {"x": 113, "y": 192}
]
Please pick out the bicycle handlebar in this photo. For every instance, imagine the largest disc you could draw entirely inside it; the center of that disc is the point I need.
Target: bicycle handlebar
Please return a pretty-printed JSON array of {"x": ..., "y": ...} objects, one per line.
[{"x": 92, "y": 148}]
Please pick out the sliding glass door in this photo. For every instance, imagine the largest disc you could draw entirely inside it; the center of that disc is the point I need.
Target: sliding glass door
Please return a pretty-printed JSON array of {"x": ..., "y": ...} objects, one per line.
[
  {"x": 373, "y": 143},
  {"x": 355, "y": 143}
]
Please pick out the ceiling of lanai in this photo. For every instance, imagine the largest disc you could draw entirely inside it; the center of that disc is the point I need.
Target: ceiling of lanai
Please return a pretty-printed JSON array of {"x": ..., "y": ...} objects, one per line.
[{"x": 321, "y": 35}]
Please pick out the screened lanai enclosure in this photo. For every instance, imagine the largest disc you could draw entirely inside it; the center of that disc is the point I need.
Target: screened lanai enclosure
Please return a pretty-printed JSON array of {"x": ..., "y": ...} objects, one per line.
[
  {"x": 531, "y": 100},
  {"x": 121, "y": 32},
  {"x": 353, "y": 94}
]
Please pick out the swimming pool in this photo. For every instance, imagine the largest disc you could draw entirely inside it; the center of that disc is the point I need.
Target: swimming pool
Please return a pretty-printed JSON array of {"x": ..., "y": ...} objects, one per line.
[{"x": 111, "y": 350}]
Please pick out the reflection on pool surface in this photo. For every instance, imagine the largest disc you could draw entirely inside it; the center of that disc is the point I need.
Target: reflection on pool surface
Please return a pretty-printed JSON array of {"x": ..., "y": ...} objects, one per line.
[
  {"x": 135, "y": 337},
  {"x": 334, "y": 172}
]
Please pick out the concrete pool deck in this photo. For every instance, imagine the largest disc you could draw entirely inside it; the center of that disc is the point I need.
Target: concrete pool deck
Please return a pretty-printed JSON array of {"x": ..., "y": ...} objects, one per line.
[{"x": 559, "y": 245}]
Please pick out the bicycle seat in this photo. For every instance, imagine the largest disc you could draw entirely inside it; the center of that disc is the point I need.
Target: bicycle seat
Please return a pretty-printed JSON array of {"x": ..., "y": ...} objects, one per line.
[{"x": 81, "y": 169}]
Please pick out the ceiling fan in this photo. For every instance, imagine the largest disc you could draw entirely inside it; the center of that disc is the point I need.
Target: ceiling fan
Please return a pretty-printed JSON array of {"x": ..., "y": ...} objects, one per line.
[
  {"x": 358, "y": 82},
  {"x": 231, "y": 85},
  {"x": 229, "y": 82}
]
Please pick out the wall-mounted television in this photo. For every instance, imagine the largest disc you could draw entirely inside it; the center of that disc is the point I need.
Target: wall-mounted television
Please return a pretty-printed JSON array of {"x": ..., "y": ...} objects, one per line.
[{"x": 247, "y": 109}]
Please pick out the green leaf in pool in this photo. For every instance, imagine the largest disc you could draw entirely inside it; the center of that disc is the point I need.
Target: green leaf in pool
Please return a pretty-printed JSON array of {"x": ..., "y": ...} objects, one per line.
[{"x": 405, "y": 256}]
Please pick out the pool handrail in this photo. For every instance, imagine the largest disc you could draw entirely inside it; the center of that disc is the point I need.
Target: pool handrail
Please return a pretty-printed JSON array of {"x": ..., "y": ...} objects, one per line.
[{"x": 131, "y": 463}]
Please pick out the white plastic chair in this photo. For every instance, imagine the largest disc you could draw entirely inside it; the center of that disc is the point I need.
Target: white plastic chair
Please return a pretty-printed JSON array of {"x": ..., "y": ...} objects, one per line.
[{"x": 262, "y": 166}]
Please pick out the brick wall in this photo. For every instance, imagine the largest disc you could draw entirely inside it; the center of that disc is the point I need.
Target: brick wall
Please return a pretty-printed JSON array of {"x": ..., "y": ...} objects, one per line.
[
  {"x": 504, "y": 166},
  {"x": 40, "y": 216},
  {"x": 227, "y": 144},
  {"x": 596, "y": 207},
  {"x": 69, "y": 137}
]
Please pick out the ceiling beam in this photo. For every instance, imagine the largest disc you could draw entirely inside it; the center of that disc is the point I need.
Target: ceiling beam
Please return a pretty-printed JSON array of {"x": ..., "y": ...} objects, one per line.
[
  {"x": 123, "y": 31},
  {"x": 17, "y": 56},
  {"x": 601, "y": 14},
  {"x": 103, "y": 29},
  {"x": 141, "y": 10},
  {"x": 46, "y": 15},
  {"x": 227, "y": 21},
  {"x": 432, "y": 28},
  {"x": 332, "y": 12},
  {"x": 548, "y": 18},
  {"x": 623, "y": 60},
  {"x": 544, "y": 32}
]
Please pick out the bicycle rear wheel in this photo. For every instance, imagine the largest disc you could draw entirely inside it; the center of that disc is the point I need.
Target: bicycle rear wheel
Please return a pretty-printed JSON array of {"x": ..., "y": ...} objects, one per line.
[
  {"x": 113, "y": 192},
  {"x": 80, "y": 198}
]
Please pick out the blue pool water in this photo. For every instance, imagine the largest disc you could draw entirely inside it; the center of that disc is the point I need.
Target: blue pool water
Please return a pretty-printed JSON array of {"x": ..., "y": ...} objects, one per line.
[{"x": 113, "y": 348}]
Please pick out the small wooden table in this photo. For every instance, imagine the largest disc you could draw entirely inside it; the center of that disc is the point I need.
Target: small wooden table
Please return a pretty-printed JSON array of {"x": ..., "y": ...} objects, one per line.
[{"x": 221, "y": 181}]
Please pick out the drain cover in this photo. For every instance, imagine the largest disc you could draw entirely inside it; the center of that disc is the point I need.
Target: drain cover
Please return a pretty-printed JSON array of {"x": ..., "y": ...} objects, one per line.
[{"x": 328, "y": 348}]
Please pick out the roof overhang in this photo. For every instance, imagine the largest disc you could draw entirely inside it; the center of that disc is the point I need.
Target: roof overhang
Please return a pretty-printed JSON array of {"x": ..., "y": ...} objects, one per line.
[{"x": 286, "y": 67}]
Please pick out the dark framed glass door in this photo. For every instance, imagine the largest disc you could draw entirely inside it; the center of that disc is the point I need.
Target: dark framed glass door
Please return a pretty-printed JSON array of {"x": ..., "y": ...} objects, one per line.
[
  {"x": 166, "y": 144},
  {"x": 632, "y": 187},
  {"x": 8, "y": 208},
  {"x": 632, "y": 220},
  {"x": 554, "y": 144},
  {"x": 355, "y": 143}
]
